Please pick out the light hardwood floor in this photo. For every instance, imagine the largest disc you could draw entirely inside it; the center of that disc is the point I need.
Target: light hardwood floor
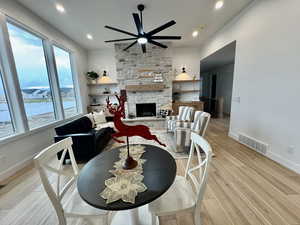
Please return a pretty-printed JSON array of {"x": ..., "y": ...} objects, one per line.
[{"x": 244, "y": 188}]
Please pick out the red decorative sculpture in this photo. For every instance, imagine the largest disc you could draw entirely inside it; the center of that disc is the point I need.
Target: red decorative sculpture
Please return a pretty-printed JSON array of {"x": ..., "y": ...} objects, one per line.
[{"x": 125, "y": 130}]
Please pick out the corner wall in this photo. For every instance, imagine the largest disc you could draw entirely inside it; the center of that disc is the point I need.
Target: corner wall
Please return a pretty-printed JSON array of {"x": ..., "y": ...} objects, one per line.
[
  {"x": 18, "y": 153},
  {"x": 266, "y": 78}
]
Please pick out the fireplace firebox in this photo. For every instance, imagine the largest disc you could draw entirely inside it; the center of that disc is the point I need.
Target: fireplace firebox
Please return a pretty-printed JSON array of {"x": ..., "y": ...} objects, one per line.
[{"x": 145, "y": 109}]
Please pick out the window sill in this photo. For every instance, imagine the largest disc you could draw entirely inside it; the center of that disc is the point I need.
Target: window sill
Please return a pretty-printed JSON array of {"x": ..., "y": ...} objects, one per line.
[{"x": 18, "y": 136}]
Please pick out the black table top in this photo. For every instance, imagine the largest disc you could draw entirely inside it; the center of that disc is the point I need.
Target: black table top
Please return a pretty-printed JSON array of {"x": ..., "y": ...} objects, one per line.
[{"x": 159, "y": 173}]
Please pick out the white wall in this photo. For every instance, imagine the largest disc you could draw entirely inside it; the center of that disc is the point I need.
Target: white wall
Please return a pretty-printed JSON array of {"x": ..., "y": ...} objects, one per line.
[
  {"x": 17, "y": 153},
  {"x": 266, "y": 75},
  {"x": 103, "y": 59}
]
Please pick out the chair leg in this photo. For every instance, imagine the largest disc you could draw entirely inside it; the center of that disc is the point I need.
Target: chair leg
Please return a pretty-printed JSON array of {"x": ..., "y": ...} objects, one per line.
[
  {"x": 154, "y": 219},
  {"x": 106, "y": 220},
  {"x": 197, "y": 218}
]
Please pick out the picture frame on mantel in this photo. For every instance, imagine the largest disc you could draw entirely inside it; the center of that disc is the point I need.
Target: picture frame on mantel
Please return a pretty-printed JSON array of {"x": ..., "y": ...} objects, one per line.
[{"x": 146, "y": 73}]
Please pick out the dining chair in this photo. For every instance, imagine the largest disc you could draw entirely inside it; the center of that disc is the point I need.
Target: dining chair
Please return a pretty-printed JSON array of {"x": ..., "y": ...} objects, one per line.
[
  {"x": 186, "y": 193},
  {"x": 62, "y": 191}
]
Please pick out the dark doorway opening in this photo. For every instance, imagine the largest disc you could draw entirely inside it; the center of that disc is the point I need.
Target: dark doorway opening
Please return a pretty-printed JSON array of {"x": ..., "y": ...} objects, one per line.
[{"x": 217, "y": 72}]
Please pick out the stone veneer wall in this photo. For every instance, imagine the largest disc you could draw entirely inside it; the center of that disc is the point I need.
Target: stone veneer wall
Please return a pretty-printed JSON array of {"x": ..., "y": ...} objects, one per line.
[{"x": 130, "y": 62}]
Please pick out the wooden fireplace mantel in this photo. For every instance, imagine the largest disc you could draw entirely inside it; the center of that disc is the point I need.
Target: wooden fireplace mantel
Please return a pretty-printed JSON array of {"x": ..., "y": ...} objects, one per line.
[{"x": 145, "y": 87}]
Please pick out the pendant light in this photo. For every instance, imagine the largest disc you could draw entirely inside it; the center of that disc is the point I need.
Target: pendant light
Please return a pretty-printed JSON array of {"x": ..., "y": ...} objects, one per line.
[{"x": 183, "y": 75}]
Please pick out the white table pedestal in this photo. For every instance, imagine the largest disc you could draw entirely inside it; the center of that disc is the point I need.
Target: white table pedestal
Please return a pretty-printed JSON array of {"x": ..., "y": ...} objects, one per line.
[{"x": 137, "y": 216}]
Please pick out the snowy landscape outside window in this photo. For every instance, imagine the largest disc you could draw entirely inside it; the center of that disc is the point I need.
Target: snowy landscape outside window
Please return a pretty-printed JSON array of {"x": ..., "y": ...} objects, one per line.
[
  {"x": 33, "y": 76},
  {"x": 66, "y": 82}
]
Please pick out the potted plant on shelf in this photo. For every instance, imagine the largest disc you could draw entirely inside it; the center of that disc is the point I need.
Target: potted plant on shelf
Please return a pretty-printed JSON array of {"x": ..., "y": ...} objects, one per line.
[{"x": 92, "y": 76}]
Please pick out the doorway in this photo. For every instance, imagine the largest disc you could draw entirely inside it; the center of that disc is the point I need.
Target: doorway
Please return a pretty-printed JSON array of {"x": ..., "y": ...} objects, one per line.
[{"x": 217, "y": 72}]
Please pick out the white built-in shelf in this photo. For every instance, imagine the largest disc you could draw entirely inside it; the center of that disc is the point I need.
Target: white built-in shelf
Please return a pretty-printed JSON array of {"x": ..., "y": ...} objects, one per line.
[
  {"x": 103, "y": 84},
  {"x": 185, "y": 81},
  {"x": 185, "y": 91}
]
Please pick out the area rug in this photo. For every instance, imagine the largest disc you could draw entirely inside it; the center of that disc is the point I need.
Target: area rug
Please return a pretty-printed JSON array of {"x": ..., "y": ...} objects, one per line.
[{"x": 162, "y": 135}]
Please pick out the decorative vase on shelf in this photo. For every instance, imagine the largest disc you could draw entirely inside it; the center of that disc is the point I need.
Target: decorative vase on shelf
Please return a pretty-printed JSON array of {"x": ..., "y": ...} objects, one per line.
[{"x": 93, "y": 81}]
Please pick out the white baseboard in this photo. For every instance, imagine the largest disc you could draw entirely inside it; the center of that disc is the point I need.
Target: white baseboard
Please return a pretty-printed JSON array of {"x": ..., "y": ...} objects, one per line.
[
  {"x": 275, "y": 157},
  {"x": 14, "y": 169},
  {"x": 233, "y": 135},
  {"x": 285, "y": 162}
]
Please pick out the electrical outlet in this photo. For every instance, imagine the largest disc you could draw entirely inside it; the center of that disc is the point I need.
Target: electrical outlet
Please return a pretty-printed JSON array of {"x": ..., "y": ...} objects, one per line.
[{"x": 291, "y": 149}]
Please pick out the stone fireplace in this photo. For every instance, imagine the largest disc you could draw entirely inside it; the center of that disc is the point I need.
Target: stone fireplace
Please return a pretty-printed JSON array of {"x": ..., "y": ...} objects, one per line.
[{"x": 131, "y": 66}]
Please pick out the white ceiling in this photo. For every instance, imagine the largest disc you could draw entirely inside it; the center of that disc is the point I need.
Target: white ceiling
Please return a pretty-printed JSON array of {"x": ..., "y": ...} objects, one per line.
[{"x": 90, "y": 16}]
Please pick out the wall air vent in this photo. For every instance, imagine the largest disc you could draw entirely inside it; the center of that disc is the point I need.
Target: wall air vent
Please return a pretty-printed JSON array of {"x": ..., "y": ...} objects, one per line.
[{"x": 253, "y": 143}]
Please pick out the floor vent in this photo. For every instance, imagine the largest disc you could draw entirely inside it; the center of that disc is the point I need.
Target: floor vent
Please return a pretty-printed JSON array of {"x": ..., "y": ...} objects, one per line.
[{"x": 254, "y": 144}]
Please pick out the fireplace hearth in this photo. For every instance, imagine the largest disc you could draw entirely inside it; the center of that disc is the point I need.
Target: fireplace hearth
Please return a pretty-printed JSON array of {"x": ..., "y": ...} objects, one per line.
[{"x": 145, "y": 109}]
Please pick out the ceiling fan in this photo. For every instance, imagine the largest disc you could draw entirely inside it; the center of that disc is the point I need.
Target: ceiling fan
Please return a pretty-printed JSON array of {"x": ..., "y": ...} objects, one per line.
[{"x": 142, "y": 37}]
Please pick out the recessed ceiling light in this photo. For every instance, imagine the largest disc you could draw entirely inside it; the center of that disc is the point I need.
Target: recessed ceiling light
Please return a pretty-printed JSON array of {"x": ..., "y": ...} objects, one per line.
[
  {"x": 89, "y": 36},
  {"x": 219, "y": 4},
  {"x": 60, "y": 8},
  {"x": 195, "y": 33}
]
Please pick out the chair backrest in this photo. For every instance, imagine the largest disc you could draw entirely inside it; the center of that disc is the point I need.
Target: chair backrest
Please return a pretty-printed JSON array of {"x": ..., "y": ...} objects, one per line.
[
  {"x": 181, "y": 112},
  {"x": 189, "y": 114},
  {"x": 197, "y": 174},
  {"x": 185, "y": 113},
  {"x": 44, "y": 163},
  {"x": 201, "y": 120}
]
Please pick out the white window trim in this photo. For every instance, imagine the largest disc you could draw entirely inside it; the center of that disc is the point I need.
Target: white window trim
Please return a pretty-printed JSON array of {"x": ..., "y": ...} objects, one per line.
[
  {"x": 17, "y": 136},
  {"x": 14, "y": 94},
  {"x": 74, "y": 75}
]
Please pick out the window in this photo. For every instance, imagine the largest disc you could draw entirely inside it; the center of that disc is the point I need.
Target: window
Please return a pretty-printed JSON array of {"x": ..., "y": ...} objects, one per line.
[
  {"x": 66, "y": 82},
  {"x": 33, "y": 77},
  {"x": 36, "y": 85},
  {"x": 6, "y": 127}
]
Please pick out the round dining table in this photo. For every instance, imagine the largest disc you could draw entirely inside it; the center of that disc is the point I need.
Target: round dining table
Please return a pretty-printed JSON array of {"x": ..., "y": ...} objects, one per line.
[{"x": 159, "y": 172}]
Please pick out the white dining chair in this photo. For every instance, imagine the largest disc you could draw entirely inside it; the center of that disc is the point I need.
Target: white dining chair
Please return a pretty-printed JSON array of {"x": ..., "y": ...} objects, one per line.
[
  {"x": 63, "y": 193},
  {"x": 186, "y": 193}
]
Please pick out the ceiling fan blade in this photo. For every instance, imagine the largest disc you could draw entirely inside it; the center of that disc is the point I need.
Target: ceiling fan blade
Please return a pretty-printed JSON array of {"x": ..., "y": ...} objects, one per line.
[
  {"x": 122, "y": 31},
  {"x": 138, "y": 23},
  {"x": 124, "y": 39},
  {"x": 166, "y": 37},
  {"x": 157, "y": 44},
  {"x": 144, "y": 48},
  {"x": 165, "y": 26},
  {"x": 132, "y": 44}
]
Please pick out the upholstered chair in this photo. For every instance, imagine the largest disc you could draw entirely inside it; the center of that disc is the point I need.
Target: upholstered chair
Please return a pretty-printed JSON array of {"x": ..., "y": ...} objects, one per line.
[
  {"x": 185, "y": 115},
  {"x": 183, "y": 132}
]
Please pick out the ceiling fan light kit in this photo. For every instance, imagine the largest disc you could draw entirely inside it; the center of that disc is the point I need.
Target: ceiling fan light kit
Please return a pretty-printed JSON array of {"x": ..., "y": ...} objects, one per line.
[{"x": 142, "y": 37}]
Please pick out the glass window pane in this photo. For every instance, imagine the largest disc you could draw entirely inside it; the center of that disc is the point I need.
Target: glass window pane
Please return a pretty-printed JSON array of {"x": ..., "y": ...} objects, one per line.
[
  {"x": 32, "y": 72},
  {"x": 6, "y": 127},
  {"x": 66, "y": 82}
]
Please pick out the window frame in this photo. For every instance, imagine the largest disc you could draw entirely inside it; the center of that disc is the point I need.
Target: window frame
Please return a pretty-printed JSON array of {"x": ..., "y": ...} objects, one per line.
[
  {"x": 43, "y": 40},
  {"x": 14, "y": 96},
  {"x": 4, "y": 84},
  {"x": 74, "y": 76}
]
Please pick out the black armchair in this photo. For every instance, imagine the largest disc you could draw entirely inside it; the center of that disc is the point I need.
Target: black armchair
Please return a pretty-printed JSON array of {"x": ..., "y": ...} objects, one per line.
[{"x": 87, "y": 142}]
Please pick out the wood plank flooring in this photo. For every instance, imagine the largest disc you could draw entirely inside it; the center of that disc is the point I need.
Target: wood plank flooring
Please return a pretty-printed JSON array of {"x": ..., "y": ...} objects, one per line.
[{"x": 244, "y": 188}]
